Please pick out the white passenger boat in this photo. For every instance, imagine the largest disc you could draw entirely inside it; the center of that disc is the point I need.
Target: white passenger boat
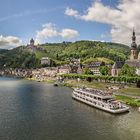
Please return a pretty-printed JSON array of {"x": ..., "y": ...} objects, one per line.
[{"x": 99, "y": 99}]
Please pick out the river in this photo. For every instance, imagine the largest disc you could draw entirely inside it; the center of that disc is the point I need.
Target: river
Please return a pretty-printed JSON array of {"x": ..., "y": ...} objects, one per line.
[{"x": 38, "y": 111}]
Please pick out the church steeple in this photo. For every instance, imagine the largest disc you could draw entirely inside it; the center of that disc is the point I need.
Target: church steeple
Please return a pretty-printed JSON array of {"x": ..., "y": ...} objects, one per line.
[
  {"x": 134, "y": 36},
  {"x": 134, "y": 45},
  {"x": 134, "y": 50}
]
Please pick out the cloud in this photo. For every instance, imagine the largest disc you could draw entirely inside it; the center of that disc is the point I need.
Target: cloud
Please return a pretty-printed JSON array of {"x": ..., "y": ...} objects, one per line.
[
  {"x": 9, "y": 42},
  {"x": 50, "y": 30},
  {"x": 71, "y": 12},
  {"x": 69, "y": 33},
  {"x": 122, "y": 19}
]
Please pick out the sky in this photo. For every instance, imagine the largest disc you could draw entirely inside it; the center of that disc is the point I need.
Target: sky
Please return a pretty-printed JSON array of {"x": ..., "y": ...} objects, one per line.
[{"x": 68, "y": 20}]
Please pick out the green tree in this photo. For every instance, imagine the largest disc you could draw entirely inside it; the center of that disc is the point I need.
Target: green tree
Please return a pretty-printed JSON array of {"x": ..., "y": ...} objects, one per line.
[
  {"x": 104, "y": 70},
  {"x": 87, "y": 71},
  {"x": 128, "y": 71}
]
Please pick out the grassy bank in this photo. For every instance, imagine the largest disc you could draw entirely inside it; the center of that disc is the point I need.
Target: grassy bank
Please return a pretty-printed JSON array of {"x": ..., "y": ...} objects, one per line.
[
  {"x": 128, "y": 100},
  {"x": 130, "y": 91},
  {"x": 74, "y": 83}
]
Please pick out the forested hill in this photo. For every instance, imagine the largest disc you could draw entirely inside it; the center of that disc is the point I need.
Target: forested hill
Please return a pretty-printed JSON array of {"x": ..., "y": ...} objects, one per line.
[
  {"x": 18, "y": 58},
  {"x": 85, "y": 50},
  {"x": 62, "y": 52}
]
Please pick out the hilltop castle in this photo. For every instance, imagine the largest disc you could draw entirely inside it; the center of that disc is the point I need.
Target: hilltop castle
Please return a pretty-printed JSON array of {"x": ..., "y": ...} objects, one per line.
[{"x": 31, "y": 47}]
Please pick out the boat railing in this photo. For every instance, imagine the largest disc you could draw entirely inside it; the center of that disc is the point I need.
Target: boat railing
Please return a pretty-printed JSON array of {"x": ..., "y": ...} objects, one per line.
[{"x": 96, "y": 91}]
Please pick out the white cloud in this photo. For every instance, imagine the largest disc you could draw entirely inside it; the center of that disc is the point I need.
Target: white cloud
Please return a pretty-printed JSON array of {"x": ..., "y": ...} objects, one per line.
[
  {"x": 69, "y": 33},
  {"x": 122, "y": 18},
  {"x": 50, "y": 30},
  {"x": 71, "y": 12},
  {"x": 9, "y": 42}
]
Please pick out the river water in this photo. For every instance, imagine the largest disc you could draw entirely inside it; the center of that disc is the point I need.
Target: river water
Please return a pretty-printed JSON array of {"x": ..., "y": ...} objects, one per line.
[{"x": 39, "y": 111}]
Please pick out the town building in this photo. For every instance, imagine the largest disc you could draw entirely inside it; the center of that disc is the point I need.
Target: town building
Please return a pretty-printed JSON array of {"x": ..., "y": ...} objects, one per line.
[
  {"x": 80, "y": 69},
  {"x": 116, "y": 68},
  {"x": 44, "y": 73},
  {"x": 64, "y": 69},
  {"x": 95, "y": 67},
  {"x": 75, "y": 66},
  {"x": 45, "y": 61}
]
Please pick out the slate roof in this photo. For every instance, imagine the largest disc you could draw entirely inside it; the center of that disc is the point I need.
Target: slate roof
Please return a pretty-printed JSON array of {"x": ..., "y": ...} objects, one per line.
[
  {"x": 118, "y": 65},
  {"x": 134, "y": 63},
  {"x": 96, "y": 64}
]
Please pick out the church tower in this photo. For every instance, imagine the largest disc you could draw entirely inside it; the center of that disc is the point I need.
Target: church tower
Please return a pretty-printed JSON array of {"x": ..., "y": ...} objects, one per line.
[{"x": 134, "y": 50}]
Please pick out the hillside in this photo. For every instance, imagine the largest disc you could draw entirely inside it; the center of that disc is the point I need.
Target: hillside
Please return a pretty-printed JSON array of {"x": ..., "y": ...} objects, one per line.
[
  {"x": 84, "y": 50},
  {"x": 61, "y": 53},
  {"x": 18, "y": 58}
]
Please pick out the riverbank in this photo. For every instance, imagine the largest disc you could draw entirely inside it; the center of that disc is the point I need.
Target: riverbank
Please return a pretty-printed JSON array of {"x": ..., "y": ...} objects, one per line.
[
  {"x": 127, "y": 94},
  {"x": 49, "y": 80},
  {"x": 132, "y": 99},
  {"x": 128, "y": 100}
]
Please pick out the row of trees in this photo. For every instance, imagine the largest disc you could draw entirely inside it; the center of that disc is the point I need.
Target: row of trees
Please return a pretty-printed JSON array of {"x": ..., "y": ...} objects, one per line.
[
  {"x": 105, "y": 70},
  {"x": 119, "y": 79}
]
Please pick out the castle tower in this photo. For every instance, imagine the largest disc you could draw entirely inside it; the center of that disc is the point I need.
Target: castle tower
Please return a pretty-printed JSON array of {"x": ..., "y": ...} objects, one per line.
[
  {"x": 32, "y": 42},
  {"x": 134, "y": 50}
]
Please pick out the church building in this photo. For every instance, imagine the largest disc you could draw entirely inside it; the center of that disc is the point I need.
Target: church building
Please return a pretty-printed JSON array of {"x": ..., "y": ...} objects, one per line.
[{"x": 134, "y": 60}]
